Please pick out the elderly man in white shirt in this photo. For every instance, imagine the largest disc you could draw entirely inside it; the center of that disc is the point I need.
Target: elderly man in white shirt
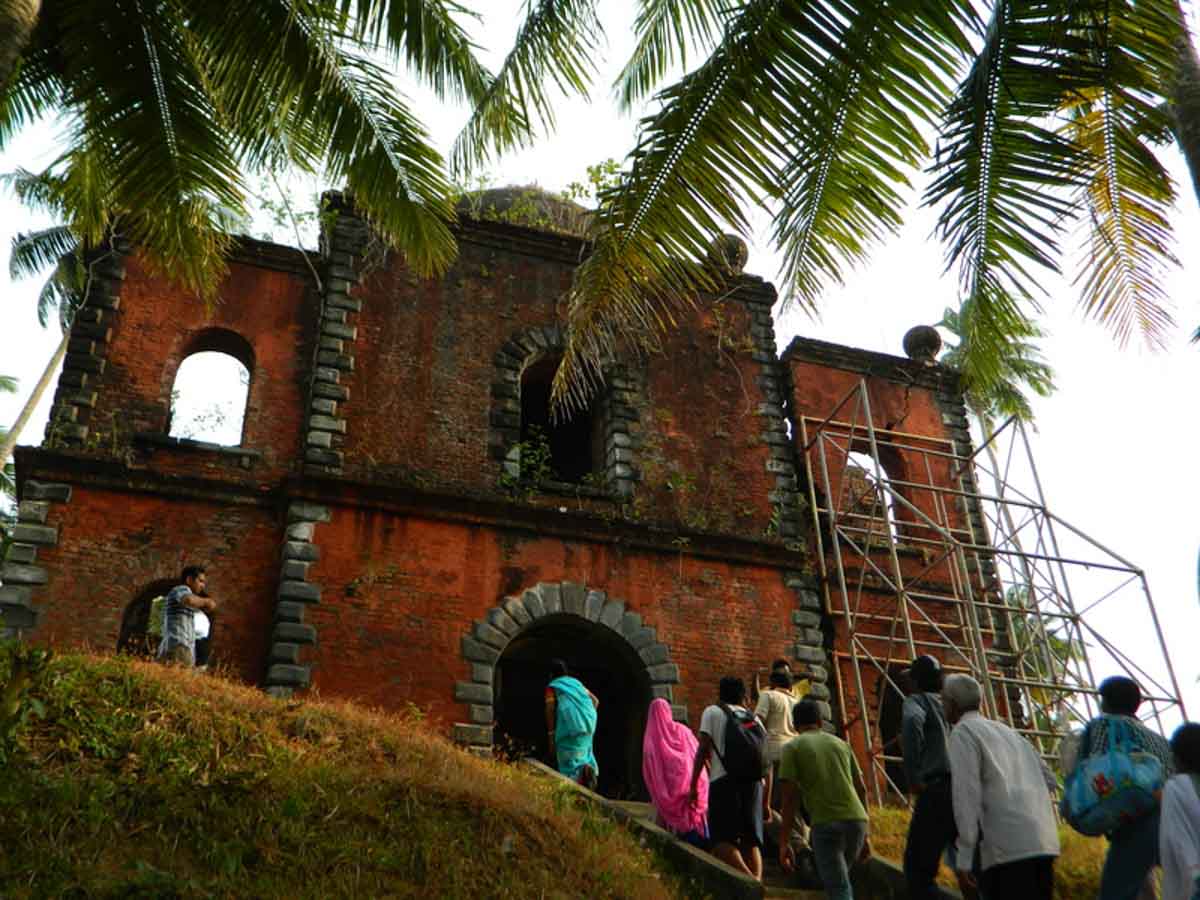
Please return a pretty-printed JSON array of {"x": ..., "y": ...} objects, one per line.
[{"x": 1000, "y": 798}]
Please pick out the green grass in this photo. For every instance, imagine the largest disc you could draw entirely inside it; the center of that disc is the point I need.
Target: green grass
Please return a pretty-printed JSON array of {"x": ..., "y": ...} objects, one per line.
[
  {"x": 141, "y": 781},
  {"x": 1076, "y": 874}
]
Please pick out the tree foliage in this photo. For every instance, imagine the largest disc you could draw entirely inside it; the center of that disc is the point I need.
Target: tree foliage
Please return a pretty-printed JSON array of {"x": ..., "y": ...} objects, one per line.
[
  {"x": 1021, "y": 369},
  {"x": 1046, "y": 116},
  {"x": 171, "y": 108}
]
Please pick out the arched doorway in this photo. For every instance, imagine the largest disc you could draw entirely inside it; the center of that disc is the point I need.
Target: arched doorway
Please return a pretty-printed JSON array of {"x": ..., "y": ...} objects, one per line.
[
  {"x": 890, "y": 691},
  {"x": 608, "y": 667},
  {"x": 617, "y": 655},
  {"x": 136, "y": 636}
]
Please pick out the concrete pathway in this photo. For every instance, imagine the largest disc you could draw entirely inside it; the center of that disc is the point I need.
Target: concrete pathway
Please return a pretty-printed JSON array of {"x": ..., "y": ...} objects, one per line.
[{"x": 775, "y": 880}]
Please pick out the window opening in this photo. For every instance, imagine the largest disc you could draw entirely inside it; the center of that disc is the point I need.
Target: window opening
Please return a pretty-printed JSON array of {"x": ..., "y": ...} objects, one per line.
[
  {"x": 567, "y": 450},
  {"x": 208, "y": 399},
  {"x": 868, "y": 503}
]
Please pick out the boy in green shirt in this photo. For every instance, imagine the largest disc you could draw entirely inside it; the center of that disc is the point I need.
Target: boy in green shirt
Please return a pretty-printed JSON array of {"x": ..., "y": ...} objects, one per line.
[{"x": 820, "y": 770}]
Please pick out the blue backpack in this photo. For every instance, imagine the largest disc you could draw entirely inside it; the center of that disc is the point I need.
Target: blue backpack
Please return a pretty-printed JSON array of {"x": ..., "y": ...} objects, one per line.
[{"x": 1113, "y": 785}]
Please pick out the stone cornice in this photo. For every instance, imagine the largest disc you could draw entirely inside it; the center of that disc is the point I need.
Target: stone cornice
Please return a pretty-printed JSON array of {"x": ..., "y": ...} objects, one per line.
[
  {"x": 538, "y": 520},
  {"x": 868, "y": 362},
  {"x": 268, "y": 255},
  {"x": 112, "y": 474},
  {"x": 107, "y": 473}
]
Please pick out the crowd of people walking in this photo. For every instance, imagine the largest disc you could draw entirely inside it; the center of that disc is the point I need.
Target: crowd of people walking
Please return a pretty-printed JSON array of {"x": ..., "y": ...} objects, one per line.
[{"x": 982, "y": 798}]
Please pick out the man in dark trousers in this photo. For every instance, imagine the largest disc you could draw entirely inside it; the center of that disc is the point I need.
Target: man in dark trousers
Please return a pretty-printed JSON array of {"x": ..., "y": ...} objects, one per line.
[{"x": 923, "y": 734}]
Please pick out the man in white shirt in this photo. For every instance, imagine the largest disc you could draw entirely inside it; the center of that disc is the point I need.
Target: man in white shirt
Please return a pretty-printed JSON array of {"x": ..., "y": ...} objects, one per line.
[{"x": 998, "y": 784}]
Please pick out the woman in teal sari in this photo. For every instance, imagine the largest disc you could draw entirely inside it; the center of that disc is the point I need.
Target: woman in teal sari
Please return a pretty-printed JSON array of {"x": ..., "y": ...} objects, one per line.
[{"x": 571, "y": 723}]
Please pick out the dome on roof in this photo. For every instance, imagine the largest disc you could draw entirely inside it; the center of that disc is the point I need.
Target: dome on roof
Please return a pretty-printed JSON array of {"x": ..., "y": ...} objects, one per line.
[{"x": 529, "y": 206}]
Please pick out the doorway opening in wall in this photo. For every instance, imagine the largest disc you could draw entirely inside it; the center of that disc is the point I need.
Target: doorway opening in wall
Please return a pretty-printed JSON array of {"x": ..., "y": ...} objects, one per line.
[
  {"x": 607, "y": 666},
  {"x": 568, "y": 450},
  {"x": 212, "y": 389},
  {"x": 140, "y": 632},
  {"x": 890, "y": 698}
]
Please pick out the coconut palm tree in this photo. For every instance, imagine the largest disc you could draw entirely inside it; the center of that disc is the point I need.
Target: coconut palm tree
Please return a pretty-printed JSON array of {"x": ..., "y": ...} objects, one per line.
[
  {"x": 1021, "y": 369},
  {"x": 171, "y": 106}
]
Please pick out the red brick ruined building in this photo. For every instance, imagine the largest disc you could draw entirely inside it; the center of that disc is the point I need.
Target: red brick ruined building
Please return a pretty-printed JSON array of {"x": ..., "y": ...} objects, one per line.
[{"x": 403, "y": 523}]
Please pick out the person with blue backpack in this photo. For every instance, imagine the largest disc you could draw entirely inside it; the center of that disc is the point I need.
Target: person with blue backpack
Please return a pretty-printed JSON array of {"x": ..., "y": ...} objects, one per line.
[
  {"x": 733, "y": 745},
  {"x": 1113, "y": 788}
]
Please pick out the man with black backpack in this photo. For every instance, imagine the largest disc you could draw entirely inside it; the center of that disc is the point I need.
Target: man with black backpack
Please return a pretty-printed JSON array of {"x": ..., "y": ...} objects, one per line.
[{"x": 733, "y": 743}]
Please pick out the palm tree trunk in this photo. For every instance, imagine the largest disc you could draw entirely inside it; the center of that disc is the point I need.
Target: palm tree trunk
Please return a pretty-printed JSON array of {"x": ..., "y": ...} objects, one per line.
[
  {"x": 10, "y": 440},
  {"x": 1185, "y": 102},
  {"x": 17, "y": 21}
]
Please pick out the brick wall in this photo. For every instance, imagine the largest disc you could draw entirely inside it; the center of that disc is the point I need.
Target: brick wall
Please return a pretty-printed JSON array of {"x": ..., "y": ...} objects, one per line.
[
  {"x": 267, "y": 301},
  {"x": 400, "y": 592},
  {"x": 114, "y": 542}
]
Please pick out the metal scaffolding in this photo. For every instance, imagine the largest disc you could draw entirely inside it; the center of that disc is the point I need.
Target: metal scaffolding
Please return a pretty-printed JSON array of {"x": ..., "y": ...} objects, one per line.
[{"x": 931, "y": 547}]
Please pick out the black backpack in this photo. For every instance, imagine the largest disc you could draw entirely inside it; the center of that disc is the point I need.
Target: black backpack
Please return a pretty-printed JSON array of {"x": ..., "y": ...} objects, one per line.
[{"x": 745, "y": 755}]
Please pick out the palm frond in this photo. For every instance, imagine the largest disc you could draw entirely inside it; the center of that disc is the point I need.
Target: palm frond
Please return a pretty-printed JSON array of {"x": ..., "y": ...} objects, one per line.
[
  {"x": 1021, "y": 368},
  {"x": 8, "y": 384},
  {"x": 145, "y": 139},
  {"x": 33, "y": 252},
  {"x": 426, "y": 36},
  {"x": 326, "y": 106},
  {"x": 1185, "y": 105},
  {"x": 666, "y": 29},
  {"x": 553, "y": 54},
  {"x": 856, "y": 132},
  {"x": 41, "y": 191},
  {"x": 35, "y": 90},
  {"x": 1128, "y": 192},
  {"x": 1000, "y": 174},
  {"x": 771, "y": 99}
]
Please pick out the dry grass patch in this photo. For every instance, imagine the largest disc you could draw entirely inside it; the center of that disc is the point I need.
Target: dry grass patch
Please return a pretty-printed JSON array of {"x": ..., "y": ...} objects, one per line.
[
  {"x": 1076, "y": 874},
  {"x": 144, "y": 781}
]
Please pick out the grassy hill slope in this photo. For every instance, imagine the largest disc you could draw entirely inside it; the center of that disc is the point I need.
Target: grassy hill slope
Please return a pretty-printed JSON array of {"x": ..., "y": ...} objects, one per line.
[{"x": 128, "y": 779}]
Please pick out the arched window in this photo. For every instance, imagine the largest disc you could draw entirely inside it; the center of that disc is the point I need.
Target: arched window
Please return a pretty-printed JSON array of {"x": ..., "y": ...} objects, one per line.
[
  {"x": 211, "y": 389},
  {"x": 568, "y": 450},
  {"x": 865, "y": 502}
]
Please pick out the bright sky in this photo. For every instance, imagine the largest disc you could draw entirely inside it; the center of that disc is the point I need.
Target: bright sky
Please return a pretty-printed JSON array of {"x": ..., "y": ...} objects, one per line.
[{"x": 1110, "y": 444}]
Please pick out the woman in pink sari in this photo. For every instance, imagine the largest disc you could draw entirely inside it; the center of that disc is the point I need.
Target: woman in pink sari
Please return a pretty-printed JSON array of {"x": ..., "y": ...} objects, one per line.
[{"x": 668, "y": 750}]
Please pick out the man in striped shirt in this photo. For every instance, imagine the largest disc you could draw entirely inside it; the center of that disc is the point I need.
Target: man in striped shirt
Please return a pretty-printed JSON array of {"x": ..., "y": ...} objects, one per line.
[{"x": 179, "y": 614}]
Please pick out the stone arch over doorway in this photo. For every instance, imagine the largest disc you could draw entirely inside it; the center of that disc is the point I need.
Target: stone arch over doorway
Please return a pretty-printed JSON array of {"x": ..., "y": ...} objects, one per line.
[{"x": 597, "y": 635}]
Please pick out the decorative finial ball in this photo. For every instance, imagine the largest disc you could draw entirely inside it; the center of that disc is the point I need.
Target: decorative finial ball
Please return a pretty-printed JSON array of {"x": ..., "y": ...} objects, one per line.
[
  {"x": 728, "y": 253},
  {"x": 922, "y": 343}
]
